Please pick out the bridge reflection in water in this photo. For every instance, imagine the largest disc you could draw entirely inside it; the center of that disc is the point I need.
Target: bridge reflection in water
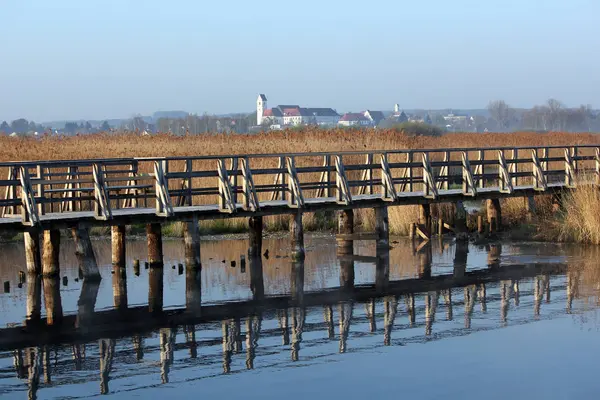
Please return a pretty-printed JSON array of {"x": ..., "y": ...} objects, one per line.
[{"x": 144, "y": 346}]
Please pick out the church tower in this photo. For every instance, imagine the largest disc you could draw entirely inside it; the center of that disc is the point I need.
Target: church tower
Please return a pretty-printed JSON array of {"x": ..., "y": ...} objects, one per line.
[{"x": 261, "y": 106}]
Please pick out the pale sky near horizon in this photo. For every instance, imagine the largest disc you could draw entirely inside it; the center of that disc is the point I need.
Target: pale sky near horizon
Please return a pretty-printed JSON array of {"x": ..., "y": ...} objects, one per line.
[{"x": 97, "y": 59}]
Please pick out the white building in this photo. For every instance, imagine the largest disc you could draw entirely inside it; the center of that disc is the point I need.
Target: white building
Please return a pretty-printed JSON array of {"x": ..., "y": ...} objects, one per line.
[
  {"x": 354, "y": 119},
  {"x": 293, "y": 115}
]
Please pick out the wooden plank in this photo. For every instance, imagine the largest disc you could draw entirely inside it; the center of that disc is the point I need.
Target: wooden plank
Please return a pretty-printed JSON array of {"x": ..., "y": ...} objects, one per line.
[
  {"x": 469, "y": 186},
  {"x": 430, "y": 189},
  {"x": 226, "y": 203},
  {"x": 357, "y": 258},
  {"x": 503, "y": 174}
]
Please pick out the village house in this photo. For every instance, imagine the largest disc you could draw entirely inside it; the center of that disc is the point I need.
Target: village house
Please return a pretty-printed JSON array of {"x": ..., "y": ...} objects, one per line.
[
  {"x": 354, "y": 119},
  {"x": 293, "y": 115}
]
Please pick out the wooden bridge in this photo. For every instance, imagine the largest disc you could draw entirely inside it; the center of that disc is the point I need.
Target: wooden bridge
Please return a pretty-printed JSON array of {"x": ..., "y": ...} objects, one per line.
[{"x": 46, "y": 196}]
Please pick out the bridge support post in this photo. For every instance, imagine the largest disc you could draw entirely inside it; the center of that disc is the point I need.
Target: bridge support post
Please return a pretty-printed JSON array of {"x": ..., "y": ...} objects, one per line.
[
  {"x": 52, "y": 299},
  {"x": 51, "y": 252},
  {"x": 193, "y": 290},
  {"x": 425, "y": 217},
  {"x": 461, "y": 252},
  {"x": 530, "y": 207},
  {"x": 156, "y": 271},
  {"x": 191, "y": 239},
  {"x": 425, "y": 257},
  {"x": 297, "y": 237},
  {"x": 255, "y": 238},
  {"x": 155, "y": 288},
  {"x": 494, "y": 253},
  {"x": 118, "y": 245},
  {"x": 85, "y": 253},
  {"x": 297, "y": 283},
  {"x": 460, "y": 222},
  {"x": 494, "y": 215},
  {"x": 119, "y": 284},
  {"x": 155, "y": 251},
  {"x": 34, "y": 298},
  {"x": 382, "y": 267},
  {"x": 32, "y": 252},
  {"x": 257, "y": 285},
  {"x": 345, "y": 248}
]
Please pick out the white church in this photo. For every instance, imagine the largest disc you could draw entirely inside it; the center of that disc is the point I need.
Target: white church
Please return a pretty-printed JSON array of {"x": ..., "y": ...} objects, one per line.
[{"x": 293, "y": 115}]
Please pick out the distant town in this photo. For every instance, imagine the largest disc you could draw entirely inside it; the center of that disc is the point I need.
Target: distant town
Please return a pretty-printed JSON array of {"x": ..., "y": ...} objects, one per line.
[{"x": 497, "y": 117}]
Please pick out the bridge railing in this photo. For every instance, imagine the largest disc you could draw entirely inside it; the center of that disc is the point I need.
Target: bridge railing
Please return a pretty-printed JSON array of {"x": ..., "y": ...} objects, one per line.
[{"x": 232, "y": 182}]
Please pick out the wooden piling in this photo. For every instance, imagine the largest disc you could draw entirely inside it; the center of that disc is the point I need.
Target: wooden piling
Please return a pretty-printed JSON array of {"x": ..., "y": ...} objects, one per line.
[
  {"x": 297, "y": 282},
  {"x": 425, "y": 256},
  {"x": 118, "y": 245},
  {"x": 529, "y": 207},
  {"x": 425, "y": 217},
  {"x": 480, "y": 227},
  {"x": 493, "y": 256},
  {"x": 460, "y": 258},
  {"x": 257, "y": 285},
  {"x": 382, "y": 265},
  {"x": 297, "y": 237},
  {"x": 494, "y": 215},
  {"x": 193, "y": 289},
  {"x": 51, "y": 253},
  {"x": 191, "y": 239},
  {"x": 255, "y": 237},
  {"x": 460, "y": 221},
  {"x": 34, "y": 299},
  {"x": 52, "y": 300},
  {"x": 155, "y": 250},
  {"x": 155, "y": 288},
  {"x": 87, "y": 303},
  {"x": 382, "y": 227},
  {"x": 85, "y": 253},
  {"x": 119, "y": 285},
  {"x": 32, "y": 252},
  {"x": 345, "y": 227}
]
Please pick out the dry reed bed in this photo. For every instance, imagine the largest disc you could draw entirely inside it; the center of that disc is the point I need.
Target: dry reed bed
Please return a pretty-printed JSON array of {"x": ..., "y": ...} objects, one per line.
[{"x": 296, "y": 141}]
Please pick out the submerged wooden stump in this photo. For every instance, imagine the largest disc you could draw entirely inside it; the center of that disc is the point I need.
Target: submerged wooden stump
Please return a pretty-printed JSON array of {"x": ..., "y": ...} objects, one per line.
[{"x": 494, "y": 215}]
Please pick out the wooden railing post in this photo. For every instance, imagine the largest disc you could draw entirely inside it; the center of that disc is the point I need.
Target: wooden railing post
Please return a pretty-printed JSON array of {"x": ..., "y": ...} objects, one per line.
[
  {"x": 514, "y": 167},
  {"x": 539, "y": 177},
  {"x": 569, "y": 170},
  {"x": 225, "y": 196},
  {"x": 444, "y": 175},
  {"x": 40, "y": 189},
  {"x": 234, "y": 179},
  {"x": 597, "y": 153},
  {"x": 367, "y": 175},
  {"x": 101, "y": 199},
  {"x": 296, "y": 196},
  {"x": 343, "y": 190},
  {"x": 387, "y": 183},
  {"x": 29, "y": 210},
  {"x": 469, "y": 187},
  {"x": 504, "y": 179},
  {"x": 479, "y": 169},
  {"x": 164, "y": 208},
  {"x": 250, "y": 197},
  {"x": 429, "y": 186}
]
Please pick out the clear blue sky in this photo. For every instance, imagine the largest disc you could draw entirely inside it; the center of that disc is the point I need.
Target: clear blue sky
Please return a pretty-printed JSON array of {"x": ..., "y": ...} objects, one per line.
[{"x": 94, "y": 59}]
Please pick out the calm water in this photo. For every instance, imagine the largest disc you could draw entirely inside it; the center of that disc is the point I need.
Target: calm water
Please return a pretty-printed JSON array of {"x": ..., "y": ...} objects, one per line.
[{"x": 519, "y": 336}]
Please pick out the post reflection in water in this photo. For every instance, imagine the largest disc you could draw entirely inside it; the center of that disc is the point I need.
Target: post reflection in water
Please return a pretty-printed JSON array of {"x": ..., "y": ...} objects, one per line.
[
  {"x": 34, "y": 299},
  {"x": 293, "y": 319},
  {"x": 107, "y": 349},
  {"x": 390, "y": 307},
  {"x": 346, "y": 308}
]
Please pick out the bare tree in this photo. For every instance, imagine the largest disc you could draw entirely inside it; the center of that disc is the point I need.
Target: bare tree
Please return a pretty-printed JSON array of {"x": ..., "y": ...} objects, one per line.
[{"x": 502, "y": 113}]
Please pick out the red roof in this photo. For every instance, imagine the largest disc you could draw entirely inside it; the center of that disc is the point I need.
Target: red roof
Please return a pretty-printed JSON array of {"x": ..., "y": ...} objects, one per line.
[
  {"x": 353, "y": 117},
  {"x": 272, "y": 112},
  {"x": 291, "y": 112}
]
